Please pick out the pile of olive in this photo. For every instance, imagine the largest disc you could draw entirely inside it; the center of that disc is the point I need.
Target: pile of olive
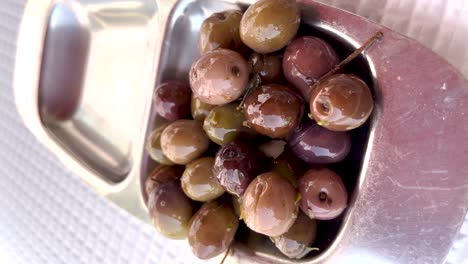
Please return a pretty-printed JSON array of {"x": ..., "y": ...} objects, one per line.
[{"x": 250, "y": 135}]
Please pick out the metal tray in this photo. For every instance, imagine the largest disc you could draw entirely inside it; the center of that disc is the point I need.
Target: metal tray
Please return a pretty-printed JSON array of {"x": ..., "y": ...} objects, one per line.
[{"x": 84, "y": 76}]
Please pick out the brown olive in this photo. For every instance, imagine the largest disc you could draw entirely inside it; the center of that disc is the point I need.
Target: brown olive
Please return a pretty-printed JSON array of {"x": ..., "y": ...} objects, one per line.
[
  {"x": 219, "y": 77},
  {"x": 269, "y": 67},
  {"x": 172, "y": 100},
  {"x": 162, "y": 174},
  {"x": 307, "y": 59},
  {"x": 221, "y": 30},
  {"x": 198, "y": 181},
  {"x": 341, "y": 102},
  {"x": 297, "y": 241},
  {"x": 212, "y": 229},
  {"x": 273, "y": 110},
  {"x": 153, "y": 146},
  {"x": 268, "y": 25},
  {"x": 269, "y": 205},
  {"x": 225, "y": 123},
  {"x": 170, "y": 210},
  {"x": 323, "y": 193},
  {"x": 199, "y": 109},
  {"x": 183, "y": 141}
]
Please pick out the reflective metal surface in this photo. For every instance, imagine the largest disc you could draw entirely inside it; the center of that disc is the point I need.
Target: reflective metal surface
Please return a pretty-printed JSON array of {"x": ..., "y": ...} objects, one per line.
[{"x": 411, "y": 195}]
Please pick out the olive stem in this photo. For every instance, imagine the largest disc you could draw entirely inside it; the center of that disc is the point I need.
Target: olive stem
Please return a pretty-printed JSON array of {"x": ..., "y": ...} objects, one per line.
[
  {"x": 226, "y": 254},
  {"x": 351, "y": 57},
  {"x": 253, "y": 84}
]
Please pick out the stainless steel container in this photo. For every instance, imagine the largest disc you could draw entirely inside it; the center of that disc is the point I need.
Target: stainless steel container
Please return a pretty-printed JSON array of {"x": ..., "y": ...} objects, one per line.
[{"x": 86, "y": 70}]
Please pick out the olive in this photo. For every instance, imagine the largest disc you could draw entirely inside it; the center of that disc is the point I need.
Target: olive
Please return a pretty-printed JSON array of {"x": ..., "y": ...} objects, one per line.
[
  {"x": 323, "y": 193},
  {"x": 318, "y": 145},
  {"x": 170, "y": 210},
  {"x": 183, "y": 141},
  {"x": 307, "y": 59},
  {"x": 269, "y": 67},
  {"x": 341, "y": 102},
  {"x": 212, "y": 229},
  {"x": 269, "y": 205},
  {"x": 162, "y": 174},
  {"x": 199, "y": 109},
  {"x": 153, "y": 146},
  {"x": 236, "y": 204},
  {"x": 198, "y": 181},
  {"x": 221, "y": 30},
  {"x": 268, "y": 25},
  {"x": 219, "y": 77},
  {"x": 172, "y": 100},
  {"x": 236, "y": 164},
  {"x": 296, "y": 242},
  {"x": 224, "y": 123},
  {"x": 273, "y": 110}
]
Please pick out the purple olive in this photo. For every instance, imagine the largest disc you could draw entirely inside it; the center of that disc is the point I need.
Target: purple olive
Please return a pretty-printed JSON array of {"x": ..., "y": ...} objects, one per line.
[
  {"x": 162, "y": 174},
  {"x": 318, "y": 145},
  {"x": 170, "y": 210},
  {"x": 307, "y": 59},
  {"x": 236, "y": 164},
  {"x": 172, "y": 100}
]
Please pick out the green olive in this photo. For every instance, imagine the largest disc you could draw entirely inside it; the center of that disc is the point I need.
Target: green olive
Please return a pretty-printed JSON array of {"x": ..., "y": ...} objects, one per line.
[
  {"x": 153, "y": 146},
  {"x": 268, "y": 25},
  {"x": 224, "y": 123},
  {"x": 221, "y": 30},
  {"x": 198, "y": 181},
  {"x": 200, "y": 109},
  {"x": 183, "y": 141},
  {"x": 212, "y": 229}
]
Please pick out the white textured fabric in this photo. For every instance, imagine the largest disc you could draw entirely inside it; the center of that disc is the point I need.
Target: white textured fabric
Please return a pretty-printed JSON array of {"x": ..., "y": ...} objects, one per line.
[{"x": 47, "y": 215}]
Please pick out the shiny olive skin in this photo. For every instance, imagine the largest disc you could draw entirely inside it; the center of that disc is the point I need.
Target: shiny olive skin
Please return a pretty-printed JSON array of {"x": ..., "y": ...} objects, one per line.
[
  {"x": 341, "y": 102},
  {"x": 307, "y": 59},
  {"x": 269, "y": 67},
  {"x": 236, "y": 164},
  {"x": 323, "y": 193},
  {"x": 153, "y": 146},
  {"x": 268, "y": 25},
  {"x": 273, "y": 110},
  {"x": 162, "y": 174},
  {"x": 317, "y": 145},
  {"x": 212, "y": 229},
  {"x": 170, "y": 210},
  {"x": 172, "y": 100},
  {"x": 198, "y": 181},
  {"x": 183, "y": 141},
  {"x": 269, "y": 205},
  {"x": 200, "y": 110},
  {"x": 296, "y": 242},
  {"x": 224, "y": 123},
  {"x": 219, "y": 77},
  {"x": 221, "y": 30}
]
